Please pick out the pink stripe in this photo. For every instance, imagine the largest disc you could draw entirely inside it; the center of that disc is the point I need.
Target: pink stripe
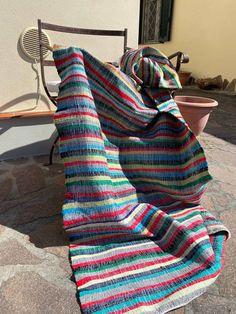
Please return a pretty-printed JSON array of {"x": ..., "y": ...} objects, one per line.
[
  {"x": 156, "y": 221},
  {"x": 123, "y": 270},
  {"x": 71, "y": 114},
  {"x": 112, "y": 86},
  {"x": 75, "y": 96},
  {"x": 119, "y": 109},
  {"x": 185, "y": 213},
  {"x": 187, "y": 243},
  {"x": 100, "y": 241},
  {"x": 166, "y": 297},
  {"x": 111, "y": 193},
  {"x": 134, "y": 291},
  {"x": 71, "y": 56},
  {"x": 154, "y": 136},
  {"x": 161, "y": 149},
  {"x": 73, "y": 75},
  {"x": 85, "y": 135},
  {"x": 162, "y": 169},
  {"x": 109, "y": 228},
  {"x": 180, "y": 288},
  {"x": 84, "y": 162},
  {"x": 117, "y": 256},
  {"x": 99, "y": 216}
]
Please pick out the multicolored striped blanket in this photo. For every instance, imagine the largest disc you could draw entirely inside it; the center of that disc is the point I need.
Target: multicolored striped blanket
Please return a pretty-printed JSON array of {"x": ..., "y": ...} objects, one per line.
[{"x": 140, "y": 242}]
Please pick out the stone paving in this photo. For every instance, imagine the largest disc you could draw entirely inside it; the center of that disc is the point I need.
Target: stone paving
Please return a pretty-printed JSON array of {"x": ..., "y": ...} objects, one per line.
[{"x": 35, "y": 274}]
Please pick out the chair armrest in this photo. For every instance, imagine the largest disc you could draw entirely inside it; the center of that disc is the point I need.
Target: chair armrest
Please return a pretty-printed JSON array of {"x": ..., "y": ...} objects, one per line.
[{"x": 181, "y": 58}]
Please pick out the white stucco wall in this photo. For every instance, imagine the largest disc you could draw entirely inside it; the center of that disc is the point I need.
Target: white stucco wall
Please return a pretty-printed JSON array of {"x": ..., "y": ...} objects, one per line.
[
  {"x": 18, "y": 83},
  {"x": 205, "y": 29}
]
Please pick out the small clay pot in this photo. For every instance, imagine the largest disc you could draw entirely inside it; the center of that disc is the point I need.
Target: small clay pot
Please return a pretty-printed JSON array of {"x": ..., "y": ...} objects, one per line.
[
  {"x": 184, "y": 77},
  {"x": 195, "y": 111}
]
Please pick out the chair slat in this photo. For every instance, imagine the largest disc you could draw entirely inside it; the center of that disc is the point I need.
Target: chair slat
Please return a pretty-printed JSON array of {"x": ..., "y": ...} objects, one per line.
[{"x": 82, "y": 31}]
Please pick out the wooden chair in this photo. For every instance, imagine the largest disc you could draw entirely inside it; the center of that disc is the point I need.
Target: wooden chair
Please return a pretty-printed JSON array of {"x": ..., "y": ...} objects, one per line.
[{"x": 70, "y": 30}]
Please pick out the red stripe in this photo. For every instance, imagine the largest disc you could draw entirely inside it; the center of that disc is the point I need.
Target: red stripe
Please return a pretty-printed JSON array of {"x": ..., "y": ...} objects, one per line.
[
  {"x": 105, "y": 238},
  {"x": 125, "y": 269},
  {"x": 117, "y": 256},
  {"x": 165, "y": 170},
  {"x": 186, "y": 244},
  {"x": 84, "y": 162},
  {"x": 75, "y": 96},
  {"x": 188, "y": 241},
  {"x": 185, "y": 213},
  {"x": 71, "y": 114},
  {"x": 94, "y": 194},
  {"x": 154, "y": 149},
  {"x": 154, "y": 136},
  {"x": 214, "y": 275},
  {"x": 111, "y": 120},
  {"x": 99, "y": 216},
  {"x": 166, "y": 297},
  {"x": 73, "y": 75},
  {"x": 109, "y": 228},
  {"x": 156, "y": 221},
  {"x": 173, "y": 192},
  {"x": 119, "y": 109},
  {"x": 71, "y": 56},
  {"x": 134, "y": 291},
  {"x": 75, "y": 136},
  {"x": 108, "y": 84}
]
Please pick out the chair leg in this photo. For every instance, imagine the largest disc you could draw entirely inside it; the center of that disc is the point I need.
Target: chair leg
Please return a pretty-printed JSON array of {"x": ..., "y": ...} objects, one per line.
[{"x": 52, "y": 150}]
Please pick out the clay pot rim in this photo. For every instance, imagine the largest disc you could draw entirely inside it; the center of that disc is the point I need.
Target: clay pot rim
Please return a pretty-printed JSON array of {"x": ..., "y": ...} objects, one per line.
[{"x": 196, "y": 101}]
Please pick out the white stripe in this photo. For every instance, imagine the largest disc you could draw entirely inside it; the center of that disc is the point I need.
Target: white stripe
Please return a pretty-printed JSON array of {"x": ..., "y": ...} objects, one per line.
[
  {"x": 95, "y": 204},
  {"x": 123, "y": 223},
  {"x": 127, "y": 273},
  {"x": 125, "y": 248},
  {"x": 175, "y": 296},
  {"x": 183, "y": 211}
]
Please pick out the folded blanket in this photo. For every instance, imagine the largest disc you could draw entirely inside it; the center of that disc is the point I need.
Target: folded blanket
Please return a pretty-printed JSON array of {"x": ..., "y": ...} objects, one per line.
[{"x": 140, "y": 242}]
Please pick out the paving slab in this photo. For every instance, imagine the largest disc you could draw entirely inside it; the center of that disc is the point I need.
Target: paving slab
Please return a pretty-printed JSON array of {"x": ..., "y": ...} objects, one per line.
[
  {"x": 13, "y": 253},
  {"x": 35, "y": 273},
  {"x": 29, "y": 178},
  {"x": 28, "y": 293},
  {"x": 211, "y": 304}
]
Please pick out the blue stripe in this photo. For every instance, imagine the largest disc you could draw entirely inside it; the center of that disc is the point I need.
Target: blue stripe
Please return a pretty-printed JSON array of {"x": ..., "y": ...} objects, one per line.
[
  {"x": 155, "y": 295},
  {"x": 175, "y": 267}
]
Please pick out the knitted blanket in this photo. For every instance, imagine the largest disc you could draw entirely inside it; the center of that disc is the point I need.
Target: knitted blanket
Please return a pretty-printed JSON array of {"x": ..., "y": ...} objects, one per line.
[{"x": 140, "y": 242}]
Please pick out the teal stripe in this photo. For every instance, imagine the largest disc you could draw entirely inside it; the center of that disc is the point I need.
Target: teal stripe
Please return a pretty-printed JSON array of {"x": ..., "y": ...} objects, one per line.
[
  {"x": 152, "y": 296},
  {"x": 139, "y": 257},
  {"x": 144, "y": 277}
]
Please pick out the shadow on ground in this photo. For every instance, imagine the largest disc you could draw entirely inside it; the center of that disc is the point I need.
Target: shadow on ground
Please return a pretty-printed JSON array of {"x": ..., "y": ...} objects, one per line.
[
  {"x": 34, "y": 246},
  {"x": 32, "y": 194},
  {"x": 31, "y": 200}
]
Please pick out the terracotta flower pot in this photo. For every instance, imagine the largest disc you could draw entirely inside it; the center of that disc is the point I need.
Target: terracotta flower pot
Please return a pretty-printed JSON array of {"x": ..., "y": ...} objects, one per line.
[
  {"x": 195, "y": 111},
  {"x": 184, "y": 77}
]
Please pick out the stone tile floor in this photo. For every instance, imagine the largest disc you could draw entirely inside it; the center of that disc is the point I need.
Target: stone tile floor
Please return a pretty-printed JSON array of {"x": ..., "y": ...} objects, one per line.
[{"x": 35, "y": 275}]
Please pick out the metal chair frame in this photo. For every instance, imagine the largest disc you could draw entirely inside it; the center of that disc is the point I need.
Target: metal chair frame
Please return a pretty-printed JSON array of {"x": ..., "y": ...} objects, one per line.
[
  {"x": 71, "y": 30},
  {"x": 180, "y": 56}
]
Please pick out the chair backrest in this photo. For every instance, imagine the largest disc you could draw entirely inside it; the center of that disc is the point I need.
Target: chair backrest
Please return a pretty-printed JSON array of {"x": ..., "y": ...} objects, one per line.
[{"x": 72, "y": 30}]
